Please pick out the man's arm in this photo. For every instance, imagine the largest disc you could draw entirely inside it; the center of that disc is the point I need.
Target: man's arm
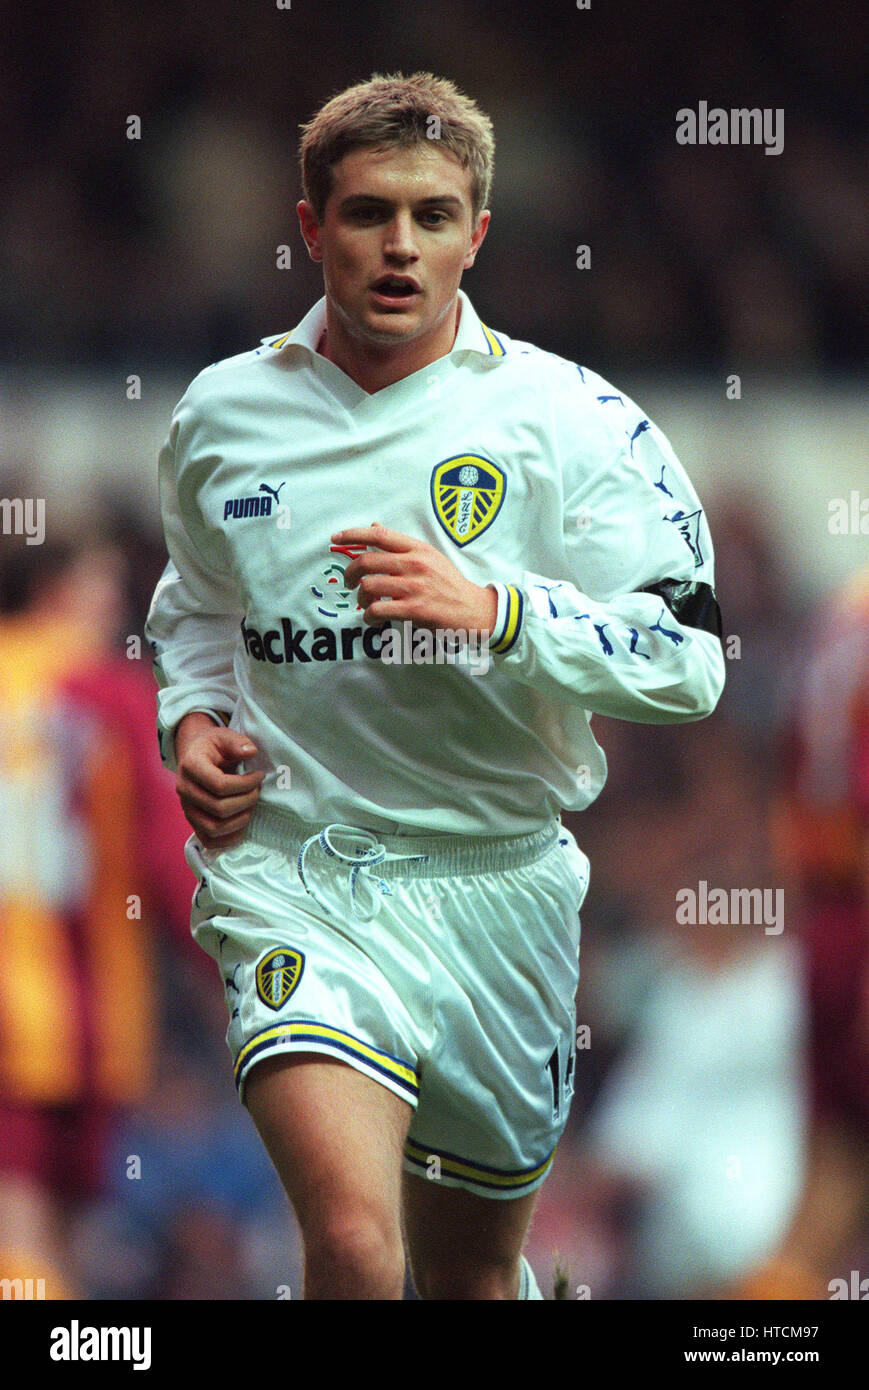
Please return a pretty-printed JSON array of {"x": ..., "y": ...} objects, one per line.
[
  {"x": 652, "y": 655},
  {"x": 192, "y": 628},
  {"x": 630, "y": 627},
  {"x": 216, "y": 801},
  {"x": 193, "y": 622},
  {"x": 641, "y": 656}
]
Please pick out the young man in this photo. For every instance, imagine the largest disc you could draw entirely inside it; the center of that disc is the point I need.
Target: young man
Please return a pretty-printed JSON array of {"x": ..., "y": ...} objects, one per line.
[{"x": 384, "y": 881}]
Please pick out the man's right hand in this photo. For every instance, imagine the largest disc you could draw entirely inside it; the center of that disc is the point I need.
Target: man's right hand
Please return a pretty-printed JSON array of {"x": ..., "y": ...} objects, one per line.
[{"x": 216, "y": 800}]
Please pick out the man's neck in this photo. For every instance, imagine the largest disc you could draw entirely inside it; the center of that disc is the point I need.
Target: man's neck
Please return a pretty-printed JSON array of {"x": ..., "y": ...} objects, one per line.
[{"x": 371, "y": 366}]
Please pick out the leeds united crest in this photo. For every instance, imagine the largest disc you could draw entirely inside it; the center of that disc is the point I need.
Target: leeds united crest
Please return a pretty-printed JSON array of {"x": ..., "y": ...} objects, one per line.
[
  {"x": 277, "y": 975},
  {"x": 466, "y": 493}
]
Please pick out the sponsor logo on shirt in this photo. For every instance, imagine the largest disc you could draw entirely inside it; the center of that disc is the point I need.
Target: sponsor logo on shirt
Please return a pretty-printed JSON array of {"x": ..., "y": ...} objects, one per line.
[
  {"x": 332, "y": 596},
  {"x": 287, "y": 643},
  {"x": 396, "y": 644}
]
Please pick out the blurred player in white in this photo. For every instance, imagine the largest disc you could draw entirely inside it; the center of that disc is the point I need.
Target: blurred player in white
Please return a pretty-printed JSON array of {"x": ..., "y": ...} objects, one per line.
[{"x": 384, "y": 880}]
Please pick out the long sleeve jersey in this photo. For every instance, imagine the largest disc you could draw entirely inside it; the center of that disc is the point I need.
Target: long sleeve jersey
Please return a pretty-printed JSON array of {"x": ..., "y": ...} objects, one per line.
[{"x": 532, "y": 474}]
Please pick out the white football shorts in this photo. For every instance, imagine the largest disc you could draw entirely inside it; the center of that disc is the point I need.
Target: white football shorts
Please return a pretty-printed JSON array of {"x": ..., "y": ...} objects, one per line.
[{"x": 443, "y": 967}]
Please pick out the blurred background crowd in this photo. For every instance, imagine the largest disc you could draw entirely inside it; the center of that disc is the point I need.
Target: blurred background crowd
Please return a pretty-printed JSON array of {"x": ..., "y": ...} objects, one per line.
[
  {"x": 717, "y": 1143},
  {"x": 154, "y": 248}
]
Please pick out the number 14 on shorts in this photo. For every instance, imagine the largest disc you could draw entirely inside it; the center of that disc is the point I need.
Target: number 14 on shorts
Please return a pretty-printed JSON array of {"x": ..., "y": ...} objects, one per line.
[{"x": 560, "y": 1068}]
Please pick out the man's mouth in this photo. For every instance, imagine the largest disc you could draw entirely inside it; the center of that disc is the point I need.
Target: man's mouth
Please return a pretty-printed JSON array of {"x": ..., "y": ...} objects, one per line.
[{"x": 396, "y": 287}]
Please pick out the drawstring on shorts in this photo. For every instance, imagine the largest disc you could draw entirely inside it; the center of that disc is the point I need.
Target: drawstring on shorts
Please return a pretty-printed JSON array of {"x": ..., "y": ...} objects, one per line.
[{"x": 363, "y": 854}]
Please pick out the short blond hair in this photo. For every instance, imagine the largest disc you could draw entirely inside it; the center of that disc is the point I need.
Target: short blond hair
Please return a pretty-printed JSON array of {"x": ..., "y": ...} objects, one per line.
[{"x": 397, "y": 110}]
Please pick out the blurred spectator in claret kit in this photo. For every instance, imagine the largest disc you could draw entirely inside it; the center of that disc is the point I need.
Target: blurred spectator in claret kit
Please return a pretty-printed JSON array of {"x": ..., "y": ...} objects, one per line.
[
  {"x": 84, "y": 878},
  {"x": 821, "y": 832}
]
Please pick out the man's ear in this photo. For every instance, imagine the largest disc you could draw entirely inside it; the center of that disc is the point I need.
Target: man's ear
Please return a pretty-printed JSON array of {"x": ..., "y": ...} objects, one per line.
[
  {"x": 477, "y": 237},
  {"x": 310, "y": 229}
]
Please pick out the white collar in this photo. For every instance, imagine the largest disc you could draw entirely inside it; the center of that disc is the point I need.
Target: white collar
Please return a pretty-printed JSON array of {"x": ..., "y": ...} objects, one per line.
[{"x": 473, "y": 335}]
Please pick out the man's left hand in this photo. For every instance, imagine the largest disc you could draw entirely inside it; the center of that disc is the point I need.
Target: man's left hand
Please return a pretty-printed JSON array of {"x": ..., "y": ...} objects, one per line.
[{"x": 400, "y": 578}]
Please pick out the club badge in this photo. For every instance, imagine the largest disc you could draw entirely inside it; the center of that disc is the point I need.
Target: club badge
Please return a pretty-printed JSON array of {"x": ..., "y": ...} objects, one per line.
[
  {"x": 466, "y": 493},
  {"x": 278, "y": 975}
]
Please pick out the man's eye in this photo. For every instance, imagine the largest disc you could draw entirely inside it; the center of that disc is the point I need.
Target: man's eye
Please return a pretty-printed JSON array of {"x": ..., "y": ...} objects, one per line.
[{"x": 436, "y": 217}]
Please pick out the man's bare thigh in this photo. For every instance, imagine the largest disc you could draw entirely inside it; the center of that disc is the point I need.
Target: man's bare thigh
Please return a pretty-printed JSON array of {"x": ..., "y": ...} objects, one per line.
[{"x": 333, "y": 1134}]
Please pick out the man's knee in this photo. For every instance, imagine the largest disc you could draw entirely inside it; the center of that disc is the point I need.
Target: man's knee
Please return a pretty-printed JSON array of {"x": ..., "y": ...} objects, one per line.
[{"x": 354, "y": 1248}]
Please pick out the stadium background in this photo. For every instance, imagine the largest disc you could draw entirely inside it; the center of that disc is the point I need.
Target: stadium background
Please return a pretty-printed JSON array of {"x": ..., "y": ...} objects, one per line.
[{"x": 690, "y": 1148}]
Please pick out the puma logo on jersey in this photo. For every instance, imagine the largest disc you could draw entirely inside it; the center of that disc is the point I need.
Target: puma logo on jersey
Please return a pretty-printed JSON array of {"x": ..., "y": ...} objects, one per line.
[
  {"x": 688, "y": 526},
  {"x": 237, "y": 508}
]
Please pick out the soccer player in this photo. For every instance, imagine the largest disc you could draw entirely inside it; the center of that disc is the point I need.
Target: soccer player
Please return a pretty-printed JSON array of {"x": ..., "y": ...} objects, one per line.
[{"x": 409, "y": 557}]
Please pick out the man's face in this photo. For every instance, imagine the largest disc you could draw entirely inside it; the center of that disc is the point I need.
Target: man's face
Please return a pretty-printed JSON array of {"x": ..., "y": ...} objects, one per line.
[{"x": 396, "y": 235}]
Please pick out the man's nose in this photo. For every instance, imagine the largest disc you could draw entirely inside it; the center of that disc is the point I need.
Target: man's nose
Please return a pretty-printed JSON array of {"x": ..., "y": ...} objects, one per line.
[{"x": 400, "y": 239}]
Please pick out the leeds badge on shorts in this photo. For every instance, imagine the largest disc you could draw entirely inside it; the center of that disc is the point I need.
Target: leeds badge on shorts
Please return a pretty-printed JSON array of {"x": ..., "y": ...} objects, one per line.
[
  {"x": 466, "y": 493},
  {"x": 277, "y": 975}
]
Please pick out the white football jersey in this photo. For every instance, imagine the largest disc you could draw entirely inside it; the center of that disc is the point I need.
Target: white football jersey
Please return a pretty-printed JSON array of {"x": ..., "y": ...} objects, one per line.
[{"x": 531, "y": 474}]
